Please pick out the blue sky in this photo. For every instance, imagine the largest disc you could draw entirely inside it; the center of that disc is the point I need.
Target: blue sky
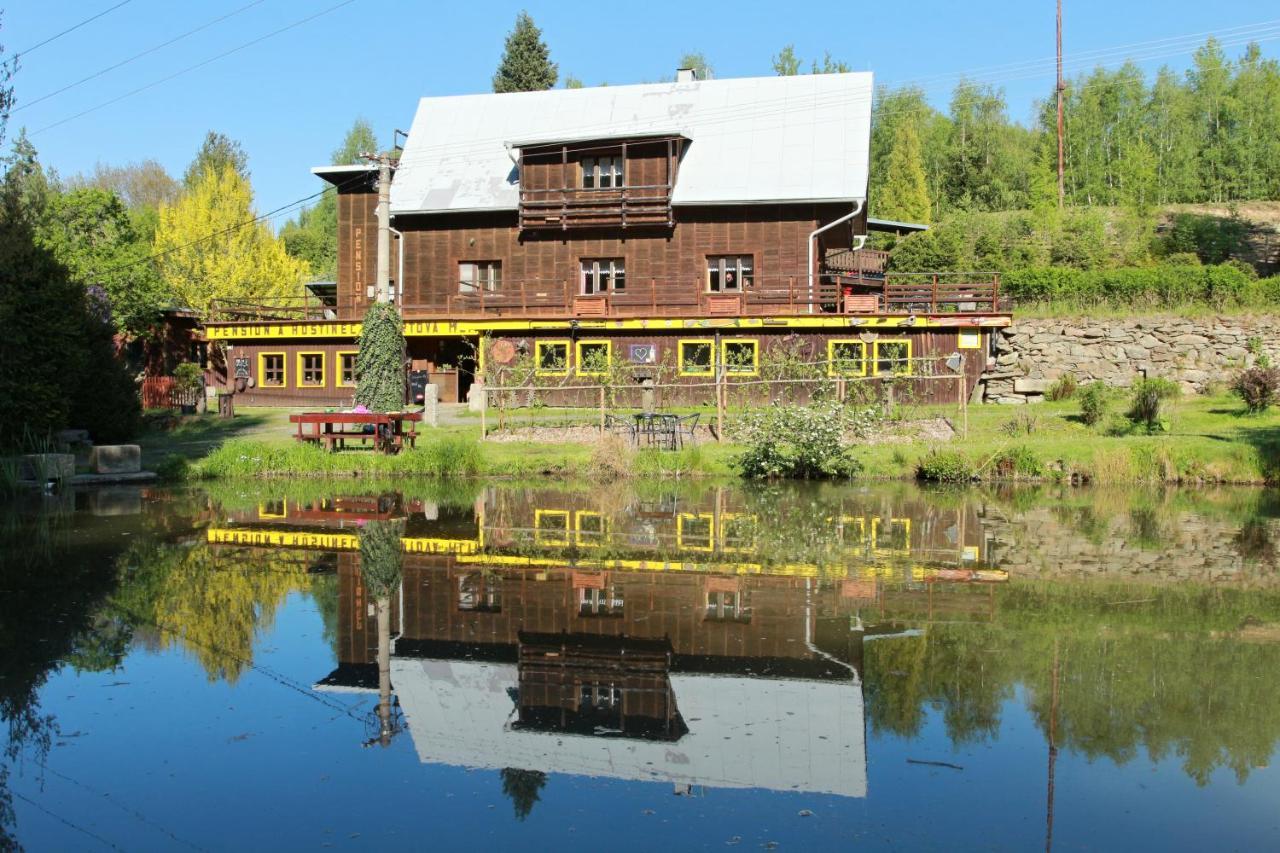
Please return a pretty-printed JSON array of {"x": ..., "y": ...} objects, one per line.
[{"x": 290, "y": 98}]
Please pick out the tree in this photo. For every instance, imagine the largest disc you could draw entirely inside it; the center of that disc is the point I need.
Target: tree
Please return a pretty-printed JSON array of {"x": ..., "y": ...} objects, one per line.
[
  {"x": 146, "y": 184},
  {"x": 905, "y": 195},
  {"x": 216, "y": 153},
  {"x": 571, "y": 82},
  {"x": 7, "y": 69},
  {"x": 523, "y": 787},
  {"x": 380, "y": 361},
  {"x": 526, "y": 64},
  {"x": 697, "y": 60},
  {"x": 90, "y": 232},
  {"x": 209, "y": 246},
  {"x": 360, "y": 139},
  {"x": 786, "y": 63}
]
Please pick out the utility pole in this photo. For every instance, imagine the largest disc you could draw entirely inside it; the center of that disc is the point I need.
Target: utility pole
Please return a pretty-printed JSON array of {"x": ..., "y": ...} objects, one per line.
[
  {"x": 1061, "y": 88},
  {"x": 383, "y": 281}
]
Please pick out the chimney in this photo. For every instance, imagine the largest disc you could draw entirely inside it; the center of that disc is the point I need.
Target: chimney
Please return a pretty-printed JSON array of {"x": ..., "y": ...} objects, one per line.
[{"x": 686, "y": 75}]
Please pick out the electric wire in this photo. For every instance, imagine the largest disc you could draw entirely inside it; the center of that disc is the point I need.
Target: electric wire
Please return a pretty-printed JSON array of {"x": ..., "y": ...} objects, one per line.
[
  {"x": 71, "y": 29},
  {"x": 95, "y": 75},
  {"x": 194, "y": 67}
]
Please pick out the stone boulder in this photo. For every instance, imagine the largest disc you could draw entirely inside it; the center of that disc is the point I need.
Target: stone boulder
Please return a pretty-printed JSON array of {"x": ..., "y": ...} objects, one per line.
[
  {"x": 43, "y": 467},
  {"x": 116, "y": 459}
]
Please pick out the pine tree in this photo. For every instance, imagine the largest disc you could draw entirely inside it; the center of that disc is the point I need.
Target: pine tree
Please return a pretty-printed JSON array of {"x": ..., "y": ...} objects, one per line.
[
  {"x": 905, "y": 195},
  {"x": 380, "y": 362},
  {"x": 526, "y": 64},
  {"x": 216, "y": 152}
]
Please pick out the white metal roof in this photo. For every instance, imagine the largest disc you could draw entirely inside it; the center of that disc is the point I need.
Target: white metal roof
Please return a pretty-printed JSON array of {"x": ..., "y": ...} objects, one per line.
[
  {"x": 754, "y": 139},
  {"x": 782, "y": 735}
]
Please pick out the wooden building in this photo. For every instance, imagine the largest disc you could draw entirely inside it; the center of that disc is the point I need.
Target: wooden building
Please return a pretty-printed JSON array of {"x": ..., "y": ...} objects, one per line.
[{"x": 696, "y": 227}]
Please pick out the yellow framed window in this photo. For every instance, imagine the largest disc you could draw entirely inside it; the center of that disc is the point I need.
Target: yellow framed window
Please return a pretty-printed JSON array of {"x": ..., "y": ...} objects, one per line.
[
  {"x": 594, "y": 357},
  {"x": 846, "y": 357},
  {"x": 969, "y": 340},
  {"x": 551, "y": 526},
  {"x": 697, "y": 357},
  {"x": 310, "y": 370},
  {"x": 552, "y": 358},
  {"x": 891, "y": 535},
  {"x": 740, "y": 357},
  {"x": 695, "y": 532},
  {"x": 347, "y": 369},
  {"x": 273, "y": 509},
  {"x": 737, "y": 532},
  {"x": 892, "y": 357},
  {"x": 271, "y": 369},
  {"x": 589, "y": 528}
]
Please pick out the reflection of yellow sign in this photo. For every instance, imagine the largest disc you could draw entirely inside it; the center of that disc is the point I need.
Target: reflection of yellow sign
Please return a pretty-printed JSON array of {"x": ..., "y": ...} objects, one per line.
[
  {"x": 475, "y": 328},
  {"x": 332, "y": 541}
]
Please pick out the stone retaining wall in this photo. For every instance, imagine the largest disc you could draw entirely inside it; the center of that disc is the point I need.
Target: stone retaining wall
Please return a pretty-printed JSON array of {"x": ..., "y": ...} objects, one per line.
[{"x": 1032, "y": 353}]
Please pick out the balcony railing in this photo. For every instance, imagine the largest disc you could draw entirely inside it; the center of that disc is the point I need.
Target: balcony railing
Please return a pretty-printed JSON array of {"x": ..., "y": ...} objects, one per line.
[
  {"x": 896, "y": 293},
  {"x": 573, "y": 207}
]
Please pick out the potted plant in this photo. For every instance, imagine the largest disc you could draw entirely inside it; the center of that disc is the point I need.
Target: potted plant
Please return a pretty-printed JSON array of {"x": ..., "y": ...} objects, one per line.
[{"x": 188, "y": 385}]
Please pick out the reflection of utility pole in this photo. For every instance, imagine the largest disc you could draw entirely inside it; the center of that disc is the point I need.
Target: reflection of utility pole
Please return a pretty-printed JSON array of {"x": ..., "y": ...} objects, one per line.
[
  {"x": 1053, "y": 749},
  {"x": 383, "y": 608}
]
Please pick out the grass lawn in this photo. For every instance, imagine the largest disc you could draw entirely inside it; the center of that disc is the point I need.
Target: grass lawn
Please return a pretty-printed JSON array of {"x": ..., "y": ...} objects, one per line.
[{"x": 1210, "y": 439}]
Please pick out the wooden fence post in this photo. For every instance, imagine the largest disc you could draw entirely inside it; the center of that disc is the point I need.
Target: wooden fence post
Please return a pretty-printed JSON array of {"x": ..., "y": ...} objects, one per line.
[
  {"x": 720, "y": 404},
  {"x": 602, "y": 410},
  {"x": 484, "y": 405}
]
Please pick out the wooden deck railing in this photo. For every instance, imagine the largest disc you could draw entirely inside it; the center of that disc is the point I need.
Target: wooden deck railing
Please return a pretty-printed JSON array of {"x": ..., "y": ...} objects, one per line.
[
  {"x": 574, "y": 207},
  {"x": 896, "y": 293}
]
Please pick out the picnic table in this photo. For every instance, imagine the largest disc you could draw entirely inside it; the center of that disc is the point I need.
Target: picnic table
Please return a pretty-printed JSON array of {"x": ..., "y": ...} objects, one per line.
[{"x": 387, "y": 430}]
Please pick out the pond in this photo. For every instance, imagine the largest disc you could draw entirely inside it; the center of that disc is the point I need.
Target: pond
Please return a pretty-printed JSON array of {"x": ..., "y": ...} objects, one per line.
[{"x": 639, "y": 667}]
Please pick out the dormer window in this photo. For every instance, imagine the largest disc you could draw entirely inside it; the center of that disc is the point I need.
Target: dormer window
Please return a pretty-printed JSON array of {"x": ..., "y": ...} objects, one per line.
[{"x": 600, "y": 173}]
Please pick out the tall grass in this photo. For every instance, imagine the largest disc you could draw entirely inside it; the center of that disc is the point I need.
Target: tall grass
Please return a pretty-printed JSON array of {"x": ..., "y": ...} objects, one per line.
[{"x": 448, "y": 456}]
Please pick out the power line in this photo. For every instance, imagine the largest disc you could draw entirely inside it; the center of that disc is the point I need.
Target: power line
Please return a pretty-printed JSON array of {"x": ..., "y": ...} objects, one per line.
[
  {"x": 71, "y": 29},
  {"x": 191, "y": 68},
  {"x": 95, "y": 75}
]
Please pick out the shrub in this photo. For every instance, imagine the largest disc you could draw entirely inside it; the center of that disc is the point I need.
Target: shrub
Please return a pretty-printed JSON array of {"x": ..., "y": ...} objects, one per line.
[
  {"x": 944, "y": 466},
  {"x": 173, "y": 468},
  {"x": 1146, "y": 405},
  {"x": 189, "y": 378},
  {"x": 1063, "y": 389},
  {"x": 1016, "y": 462},
  {"x": 380, "y": 363},
  {"x": 1022, "y": 423},
  {"x": 1258, "y": 387},
  {"x": 1094, "y": 399},
  {"x": 802, "y": 442}
]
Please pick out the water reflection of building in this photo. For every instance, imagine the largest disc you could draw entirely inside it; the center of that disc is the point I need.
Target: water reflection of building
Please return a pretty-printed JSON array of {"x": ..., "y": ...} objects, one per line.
[{"x": 656, "y": 642}]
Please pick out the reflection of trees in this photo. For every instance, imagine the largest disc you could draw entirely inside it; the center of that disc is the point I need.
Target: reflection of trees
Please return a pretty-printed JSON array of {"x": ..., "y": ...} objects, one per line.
[
  {"x": 1154, "y": 670},
  {"x": 213, "y": 606},
  {"x": 523, "y": 788}
]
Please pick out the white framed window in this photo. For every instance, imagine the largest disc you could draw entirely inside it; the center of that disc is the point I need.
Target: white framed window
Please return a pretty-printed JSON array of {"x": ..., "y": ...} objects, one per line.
[
  {"x": 729, "y": 273},
  {"x": 602, "y": 173},
  {"x": 475, "y": 276},
  {"x": 601, "y": 602},
  {"x": 603, "y": 275}
]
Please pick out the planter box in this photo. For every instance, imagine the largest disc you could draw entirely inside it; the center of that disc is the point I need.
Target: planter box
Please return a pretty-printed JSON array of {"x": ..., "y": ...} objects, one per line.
[{"x": 724, "y": 303}]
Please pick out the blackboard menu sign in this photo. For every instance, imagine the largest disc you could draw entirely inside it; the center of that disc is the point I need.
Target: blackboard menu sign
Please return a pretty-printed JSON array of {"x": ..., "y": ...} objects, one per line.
[{"x": 242, "y": 367}]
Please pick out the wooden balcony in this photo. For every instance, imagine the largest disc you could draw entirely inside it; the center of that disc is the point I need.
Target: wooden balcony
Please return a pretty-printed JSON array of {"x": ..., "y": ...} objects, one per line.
[
  {"x": 572, "y": 208},
  {"x": 895, "y": 293}
]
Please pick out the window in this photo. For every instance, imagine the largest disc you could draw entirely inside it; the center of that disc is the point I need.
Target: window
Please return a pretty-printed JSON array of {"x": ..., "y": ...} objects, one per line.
[
  {"x": 846, "y": 358},
  {"x": 607, "y": 601},
  {"x": 553, "y": 358},
  {"x": 969, "y": 340},
  {"x": 729, "y": 273},
  {"x": 272, "y": 509},
  {"x": 590, "y": 528},
  {"x": 594, "y": 357},
  {"x": 599, "y": 697},
  {"x": 602, "y": 173},
  {"x": 478, "y": 593},
  {"x": 347, "y": 369},
  {"x": 695, "y": 532},
  {"x": 727, "y": 606},
  {"x": 271, "y": 369},
  {"x": 737, "y": 532},
  {"x": 310, "y": 369},
  {"x": 551, "y": 526},
  {"x": 477, "y": 276},
  {"x": 893, "y": 357},
  {"x": 697, "y": 358},
  {"x": 891, "y": 536},
  {"x": 603, "y": 275},
  {"x": 740, "y": 358}
]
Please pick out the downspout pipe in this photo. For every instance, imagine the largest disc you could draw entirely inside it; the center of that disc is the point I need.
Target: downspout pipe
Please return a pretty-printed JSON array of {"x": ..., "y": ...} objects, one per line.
[
  {"x": 813, "y": 242},
  {"x": 399, "y": 264}
]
